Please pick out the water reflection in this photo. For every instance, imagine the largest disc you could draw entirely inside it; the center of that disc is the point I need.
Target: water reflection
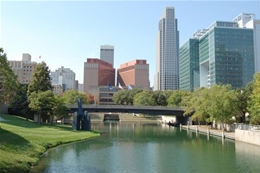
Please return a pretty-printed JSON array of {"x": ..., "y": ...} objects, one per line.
[{"x": 140, "y": 147}]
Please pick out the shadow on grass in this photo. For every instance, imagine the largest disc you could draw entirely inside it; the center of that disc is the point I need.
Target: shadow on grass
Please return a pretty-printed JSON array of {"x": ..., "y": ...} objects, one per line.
[
  {"x": 11, "y": 140},
  {"x": 18, "y": 121}
]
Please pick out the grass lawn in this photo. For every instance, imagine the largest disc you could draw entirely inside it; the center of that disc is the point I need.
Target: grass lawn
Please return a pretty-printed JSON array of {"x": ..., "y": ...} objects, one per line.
[{"x": 23, "y": 142}]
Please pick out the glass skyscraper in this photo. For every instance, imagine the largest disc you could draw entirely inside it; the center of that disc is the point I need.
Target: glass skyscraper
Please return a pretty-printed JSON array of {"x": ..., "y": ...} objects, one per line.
[
  {"x": 227, "y": 54},
  {"x": 167, "y": 52},
  {"x": 189, "y": 65}
]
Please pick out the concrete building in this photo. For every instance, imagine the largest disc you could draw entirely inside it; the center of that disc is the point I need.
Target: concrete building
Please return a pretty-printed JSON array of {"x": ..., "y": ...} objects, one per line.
[
  {"x": 227, "y": 52},
  {"x": 134, "y": 73},
  {"x": 80, "y": 88},
  {"x": 189, "y": 65},
  {"x": 57, "y": 89},
  {"x": 167, "y": 52},
  {"x": 107, "y": 54},
  {"x": 97, "y": 73},
  {"x": 102, "y": 95},
  {"x": 23, "y": 69},
  {"x": 64, "y": 77}
]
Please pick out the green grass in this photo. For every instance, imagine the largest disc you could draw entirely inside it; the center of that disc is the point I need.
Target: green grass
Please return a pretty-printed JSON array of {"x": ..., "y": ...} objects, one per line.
[{"x": 23, "y": 142}]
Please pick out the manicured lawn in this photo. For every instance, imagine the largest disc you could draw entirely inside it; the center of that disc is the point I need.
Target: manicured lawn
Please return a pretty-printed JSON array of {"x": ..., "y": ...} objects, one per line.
[{"x": 23, "y": 142}]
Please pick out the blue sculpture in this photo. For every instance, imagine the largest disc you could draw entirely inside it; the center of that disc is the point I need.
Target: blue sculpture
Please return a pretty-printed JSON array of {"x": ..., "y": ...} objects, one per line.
[{"x": 81, "y": 120}]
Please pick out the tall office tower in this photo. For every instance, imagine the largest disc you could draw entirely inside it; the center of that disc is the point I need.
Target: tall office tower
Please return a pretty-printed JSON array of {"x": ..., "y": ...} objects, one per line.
[
  {"x": 246, "y": 20},
  {"x": 23, "y": 69},
  {"x": 64, "y": 77},
  {"x": 167, "y": 52},
  {"x": 189, "y": 65},
  {"x": 97, "y": 73},
  {"x": 227, "y": 52},
  {"x": 134, "y": 73},
  {"x": 107, "y": 54}
]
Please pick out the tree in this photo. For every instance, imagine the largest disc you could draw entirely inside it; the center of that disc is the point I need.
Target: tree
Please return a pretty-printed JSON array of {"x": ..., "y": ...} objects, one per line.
[
  {"x": 120, "y": 97},
  {"x": 144, "y": 98},
  {"x": 8, "y": 80},
  {"x": 160, "y": 98},
  {"x": 243, "y": 96},
  {"x": 41, "y": 80},
  {"x": 71, "y": 96},
  {"x": 254, "y": 102},
  {"x": 42, "y": 102},
  {"x": 175, "y": 99},
  {"x": 59, "y": 108},
  {"x": 20, "y": 102}
]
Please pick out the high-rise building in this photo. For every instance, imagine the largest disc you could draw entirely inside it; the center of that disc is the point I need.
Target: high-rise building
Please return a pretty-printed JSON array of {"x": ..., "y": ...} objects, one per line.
[
  {"x": 23, "y": 69},
  {"x": 227, "y": 52},
  {"x": 64, "y": 77},
  {"x": 107, "y": 54},
  {"x": 167, "y": 52},
  {"x": 189, "y": 65},
  {"x": 134, "y": 73},
  {"x": 97, "y": 73}
]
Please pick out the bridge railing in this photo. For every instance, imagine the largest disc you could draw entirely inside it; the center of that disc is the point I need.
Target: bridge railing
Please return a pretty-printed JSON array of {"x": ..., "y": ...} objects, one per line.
[{"x": 248, "y": 127}]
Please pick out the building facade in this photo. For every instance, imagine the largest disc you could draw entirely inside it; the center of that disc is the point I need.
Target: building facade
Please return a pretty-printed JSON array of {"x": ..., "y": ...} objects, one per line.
[
  {"x": 167, "y": 52},
  {"x": 227, "y": 52},
  {"x": 107, "y": 54},
  {"x": 134, "y": 73},
  {"x": 97, "y": 73},
  {"x": 23, "y": 69},
  {"x": 64, "y": 77},
  {"x": 189, "y": 65}
]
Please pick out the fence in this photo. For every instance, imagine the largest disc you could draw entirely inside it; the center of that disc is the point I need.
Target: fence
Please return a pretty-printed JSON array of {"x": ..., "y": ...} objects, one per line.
[{"x": 248, "y": 127}]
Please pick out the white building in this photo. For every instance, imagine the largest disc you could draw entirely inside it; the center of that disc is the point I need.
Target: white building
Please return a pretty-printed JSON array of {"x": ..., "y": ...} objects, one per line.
[
  {"x": 107, "y": 54},
  {"x": 64, "y": 77},
  {"x": 167, "y": 52}
]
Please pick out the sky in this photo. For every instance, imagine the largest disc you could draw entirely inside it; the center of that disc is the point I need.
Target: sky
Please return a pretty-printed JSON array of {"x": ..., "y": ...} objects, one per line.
[{"x": 66, "y": 33}]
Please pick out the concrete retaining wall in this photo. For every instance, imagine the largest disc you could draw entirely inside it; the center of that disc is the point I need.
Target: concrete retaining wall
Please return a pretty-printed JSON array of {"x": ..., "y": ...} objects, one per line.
[
  {"x": 3, "y": 109},
  {"x": 252, "y": 137}
]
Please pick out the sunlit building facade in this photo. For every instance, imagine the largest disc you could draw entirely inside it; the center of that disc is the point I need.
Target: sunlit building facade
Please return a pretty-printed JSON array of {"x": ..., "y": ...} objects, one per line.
[
  {"x": 167, "y": 52},
  {"x": 97, "y": 73},
  {"x": 23, "y": 69},
  {"x": 134, "y": 73}
]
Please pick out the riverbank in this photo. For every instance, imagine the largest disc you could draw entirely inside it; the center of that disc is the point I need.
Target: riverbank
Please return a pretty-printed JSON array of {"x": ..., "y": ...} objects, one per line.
[
  {"x": 23, "y": 142},
  {"x": 209, "y": 131}
]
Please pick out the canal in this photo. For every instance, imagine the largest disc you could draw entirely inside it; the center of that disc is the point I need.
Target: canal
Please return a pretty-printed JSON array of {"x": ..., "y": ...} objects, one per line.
[{"x": 155, "y": 148}]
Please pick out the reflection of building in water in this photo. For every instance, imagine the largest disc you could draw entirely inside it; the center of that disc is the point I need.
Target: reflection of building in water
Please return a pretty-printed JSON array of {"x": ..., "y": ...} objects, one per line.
[
  {"x": 247, "y": 153},
  {"x": 228, "y": 54}
]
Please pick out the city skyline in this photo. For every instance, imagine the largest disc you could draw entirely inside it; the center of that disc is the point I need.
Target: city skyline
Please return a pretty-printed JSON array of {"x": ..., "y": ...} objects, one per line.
[{"x": 67, "y": 33}]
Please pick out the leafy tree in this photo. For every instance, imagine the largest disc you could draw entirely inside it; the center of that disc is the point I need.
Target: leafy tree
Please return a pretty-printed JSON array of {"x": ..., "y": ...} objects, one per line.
[
  {"x": 243, "y": 96},
  {"x": 8, "y": 80},
  {"x": 131, "y": 95},
  {"x": 71, "y": 96},
  {"x": 160, "y": 98},
  {"x": 60, "y": 109},
  {"x": 20, "y": 102},
  {"x": 120, "y": 97},
  {"x": 175, "y": 99},
  {"x": 41, "y": 80},
  {"x": 42, "y": 102},
  {"x": 254, "y": 102},
  {"x": 144, "y": 98}
]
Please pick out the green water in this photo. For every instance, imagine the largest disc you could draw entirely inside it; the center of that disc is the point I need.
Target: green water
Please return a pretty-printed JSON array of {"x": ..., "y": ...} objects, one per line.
[{"x": 150, "y": 148}]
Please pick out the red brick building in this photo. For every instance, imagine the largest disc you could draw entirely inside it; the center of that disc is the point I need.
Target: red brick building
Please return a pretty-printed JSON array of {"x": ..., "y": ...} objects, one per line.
[
  {"x": 97, "y": 73},
  {"x": 134, "y": 73}
]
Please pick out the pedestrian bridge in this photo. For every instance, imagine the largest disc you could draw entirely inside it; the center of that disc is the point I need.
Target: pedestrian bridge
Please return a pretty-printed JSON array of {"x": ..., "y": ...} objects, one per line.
[{"x": 158, "y": 110}]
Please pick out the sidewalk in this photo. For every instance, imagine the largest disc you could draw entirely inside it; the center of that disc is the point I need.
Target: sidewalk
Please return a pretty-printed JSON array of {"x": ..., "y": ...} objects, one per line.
[{"x": 212, "y": 132}]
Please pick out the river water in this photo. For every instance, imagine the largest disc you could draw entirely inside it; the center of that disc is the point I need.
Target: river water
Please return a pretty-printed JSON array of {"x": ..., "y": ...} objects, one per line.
[{"x": 150, "y": 148}]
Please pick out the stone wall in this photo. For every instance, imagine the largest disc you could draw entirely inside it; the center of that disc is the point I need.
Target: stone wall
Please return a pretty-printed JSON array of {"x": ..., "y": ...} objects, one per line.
[
  {"x": 3, "y": 109},
  {"x": 252, "y": 137}
]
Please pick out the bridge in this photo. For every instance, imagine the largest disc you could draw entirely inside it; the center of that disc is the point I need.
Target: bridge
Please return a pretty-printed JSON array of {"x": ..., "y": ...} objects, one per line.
[{"x": 156, "y": 110}]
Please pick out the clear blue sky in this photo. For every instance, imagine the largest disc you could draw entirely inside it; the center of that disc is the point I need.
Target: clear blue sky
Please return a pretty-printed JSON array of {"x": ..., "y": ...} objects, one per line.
[{"x": 66, "y": 33}]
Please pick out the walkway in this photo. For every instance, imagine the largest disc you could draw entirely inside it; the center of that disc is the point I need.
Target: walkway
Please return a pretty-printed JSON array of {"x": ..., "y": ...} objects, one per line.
[{"x": 213, "y": 132}]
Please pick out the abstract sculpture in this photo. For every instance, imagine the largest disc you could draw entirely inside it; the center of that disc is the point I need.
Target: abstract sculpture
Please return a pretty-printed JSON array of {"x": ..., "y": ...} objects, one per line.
[{"x": 81, "y": 120}]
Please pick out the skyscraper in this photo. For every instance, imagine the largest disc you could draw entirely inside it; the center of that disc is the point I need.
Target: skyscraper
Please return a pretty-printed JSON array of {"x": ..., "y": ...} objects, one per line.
[
  {"x": 107, "y": 54},
  {"x": 167, "y": 52}
]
